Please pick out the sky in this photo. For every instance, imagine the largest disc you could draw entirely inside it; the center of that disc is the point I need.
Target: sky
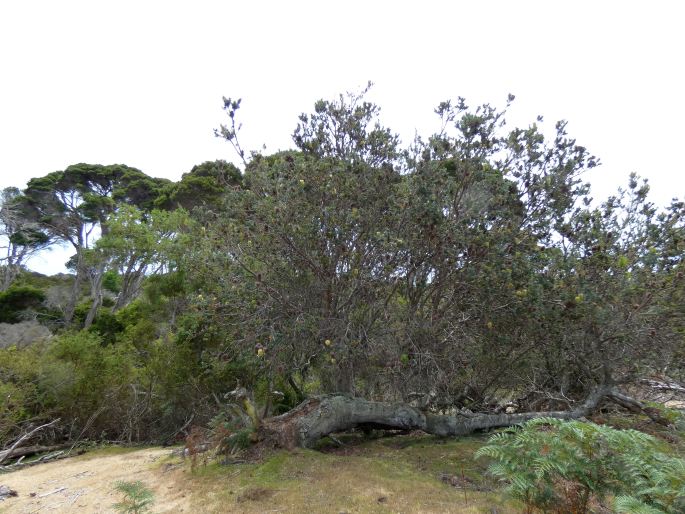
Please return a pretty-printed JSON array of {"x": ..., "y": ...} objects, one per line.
[{"x": 141, "y": 82}]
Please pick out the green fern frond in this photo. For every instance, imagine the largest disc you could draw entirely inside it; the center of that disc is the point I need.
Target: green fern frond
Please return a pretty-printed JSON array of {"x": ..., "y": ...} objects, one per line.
[
  {"x": 542, "y": 456},
  {"x": 630, "y": 505}
]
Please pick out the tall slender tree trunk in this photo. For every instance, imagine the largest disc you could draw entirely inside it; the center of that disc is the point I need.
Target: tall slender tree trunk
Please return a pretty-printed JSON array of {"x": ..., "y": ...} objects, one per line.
[
  {"x": 9, "y": 274},
  {"x": 96, "y": 294},
  {"x": 13, "y": 267},
  {"x": 70, "y": 308}
]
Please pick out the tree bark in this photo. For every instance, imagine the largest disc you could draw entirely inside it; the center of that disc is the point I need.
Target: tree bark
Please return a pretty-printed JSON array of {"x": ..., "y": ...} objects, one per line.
[
  {"x": 131, "y": 285},
  {"x": 75, "y": 291},
  {"x": 638, "y": 407},
  {"x": 96, "y": 279},
  {"x": 318, "y": 417}
]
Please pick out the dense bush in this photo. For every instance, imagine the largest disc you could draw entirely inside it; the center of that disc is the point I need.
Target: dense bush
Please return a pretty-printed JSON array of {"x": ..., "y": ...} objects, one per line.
[
  {"x": 18, "y": 299},
  {"x": 111, "y": 391}
]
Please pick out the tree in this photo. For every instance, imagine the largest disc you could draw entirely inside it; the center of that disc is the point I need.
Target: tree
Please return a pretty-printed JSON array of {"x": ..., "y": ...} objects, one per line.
[
  {"x": 138, "y": 244},
  {"x": 614, "y": 281},
  {"x": 432, "y": 287},
  {"x": 204, "y": 186},
  {"x": 73, "y": 207},
  {"x": 450, "y": 275},
  {"x": 304, "y": 240},
  {"x": 21, "y": 237},
  {"x": 346, "y": 129}
]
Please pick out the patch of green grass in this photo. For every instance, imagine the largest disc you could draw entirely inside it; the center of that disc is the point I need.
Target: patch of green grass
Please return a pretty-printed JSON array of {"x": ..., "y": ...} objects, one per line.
[
  {"x": 673, "y": 437},
  {"x": 366, "y": 476}
]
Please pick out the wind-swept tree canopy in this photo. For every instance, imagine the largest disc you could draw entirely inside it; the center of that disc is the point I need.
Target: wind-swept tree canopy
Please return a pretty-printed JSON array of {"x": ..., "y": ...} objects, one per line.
[
  {"x": 73, "y": 206},
  {"x": 204, "y": 186},
  {"x": 21, "y": 237}
]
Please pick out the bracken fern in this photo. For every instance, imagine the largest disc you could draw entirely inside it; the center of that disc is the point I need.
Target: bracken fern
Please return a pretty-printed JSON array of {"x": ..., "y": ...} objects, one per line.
[{"x": 558, "y": 465}]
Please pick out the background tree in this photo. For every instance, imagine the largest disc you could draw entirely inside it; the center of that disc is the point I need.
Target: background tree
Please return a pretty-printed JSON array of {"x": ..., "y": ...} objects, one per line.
[
  {"x": 204, "y": 186},
  {"x": 21, "y": 236},
  {"x": 139, "y": 244},
  {"x": 73, "y": 206}
]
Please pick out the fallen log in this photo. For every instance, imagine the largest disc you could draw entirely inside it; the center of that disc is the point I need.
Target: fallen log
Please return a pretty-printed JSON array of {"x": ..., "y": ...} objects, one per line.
[
  {"x": 21, "y": 463},
  {"x": 27, "y": 451},
  {"x": 6, "y": 454},
  {"x": 663, "y": 385},
  {"x": 317, "y": 417},
  {"x": 638, "y": 407}
]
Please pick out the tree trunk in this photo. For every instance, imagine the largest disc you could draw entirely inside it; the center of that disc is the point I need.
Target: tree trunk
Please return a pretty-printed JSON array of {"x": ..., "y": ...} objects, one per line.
[
  {"x": 131, "y": 285},
  {"x": 30, "y": 450},
  {"x": 96, "y": 294},
  {"x": 318, "y": 417},
  {"x": 7, "y": 277},
  {"x": 75, "y": 290}
]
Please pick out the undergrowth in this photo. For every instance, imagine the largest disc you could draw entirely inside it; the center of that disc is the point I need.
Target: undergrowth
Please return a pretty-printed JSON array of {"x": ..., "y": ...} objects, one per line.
[{"x": 567, "y": 466}]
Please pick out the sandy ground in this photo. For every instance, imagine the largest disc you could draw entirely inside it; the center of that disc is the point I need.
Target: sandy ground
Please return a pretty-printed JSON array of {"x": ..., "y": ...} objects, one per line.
[{"x": 86, "y": 484}]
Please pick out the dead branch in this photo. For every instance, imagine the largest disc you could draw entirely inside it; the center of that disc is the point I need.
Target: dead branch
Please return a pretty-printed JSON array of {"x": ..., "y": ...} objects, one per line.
[{"x": 6, "y": 454}]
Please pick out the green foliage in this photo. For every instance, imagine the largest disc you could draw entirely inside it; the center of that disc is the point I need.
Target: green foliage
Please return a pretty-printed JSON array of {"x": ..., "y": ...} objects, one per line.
[
  {"x": 229, "y": 431},
  {"x": 673, "y": 416},
  {"x": 82, "y": 376},
  {"x": 17, "y": 299},
  {"x": 107, "y": 325},
  {"x": 21, "y": 397},
  {"x": 204, "y": 186},
  {"x": 137, "y": 497},
  {"x": 551, "y": 464},
  {"x": 126, "y": 389},
  {"x": 111, "y": 281}
]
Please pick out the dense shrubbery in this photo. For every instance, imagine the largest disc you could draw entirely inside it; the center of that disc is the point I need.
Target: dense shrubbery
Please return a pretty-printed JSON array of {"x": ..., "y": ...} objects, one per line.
[
  {"x": 18, "y": 299},
  {"x": 109, "y": 391}
]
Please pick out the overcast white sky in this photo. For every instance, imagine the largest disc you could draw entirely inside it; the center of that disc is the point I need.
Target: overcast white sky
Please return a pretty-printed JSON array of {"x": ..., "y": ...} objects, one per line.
[{"x": 141, "y": 82}]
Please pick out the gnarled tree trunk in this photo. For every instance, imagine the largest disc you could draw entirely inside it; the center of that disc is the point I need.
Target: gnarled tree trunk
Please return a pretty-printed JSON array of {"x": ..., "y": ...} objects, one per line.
[{"x": 318, "y": 417}]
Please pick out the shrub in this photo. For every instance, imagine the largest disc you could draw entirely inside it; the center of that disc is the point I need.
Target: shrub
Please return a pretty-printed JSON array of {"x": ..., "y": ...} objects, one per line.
[
  {"x": 552, "y": 464},
  {"x": 230, "y": 431},
  {"x": 20, "y": 397},
  {"x": 85, "y": 380},
  {"x": 17, "y": 299}
]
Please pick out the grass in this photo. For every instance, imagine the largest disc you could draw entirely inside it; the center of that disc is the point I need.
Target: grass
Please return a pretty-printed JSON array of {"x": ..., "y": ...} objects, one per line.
[
  {"x": 673, "y": 437},
  {"x": 407, "y": 473},
  {"x": 399, "y": 474}
]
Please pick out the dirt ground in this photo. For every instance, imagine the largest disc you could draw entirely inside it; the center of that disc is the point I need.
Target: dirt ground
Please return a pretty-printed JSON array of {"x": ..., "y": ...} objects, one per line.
[
  {"x": 86, "y": 484},
  {"x": 408, "y": 474}
]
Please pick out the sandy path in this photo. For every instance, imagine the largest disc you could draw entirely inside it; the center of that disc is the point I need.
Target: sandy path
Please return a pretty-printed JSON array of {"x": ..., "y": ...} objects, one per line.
[{"x": 86, "y": 484}]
